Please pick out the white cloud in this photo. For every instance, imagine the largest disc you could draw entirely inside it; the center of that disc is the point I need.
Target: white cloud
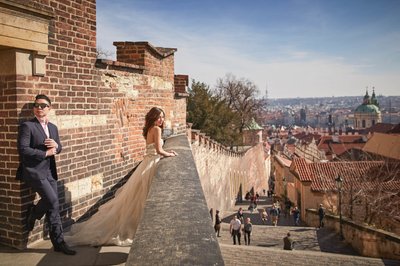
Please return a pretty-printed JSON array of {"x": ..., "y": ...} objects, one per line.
[{"x": 206, "y": 54}]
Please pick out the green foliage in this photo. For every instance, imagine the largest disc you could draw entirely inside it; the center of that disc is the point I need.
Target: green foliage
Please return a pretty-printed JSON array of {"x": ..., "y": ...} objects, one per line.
[
  {"x": 212, "y": 115},
  {"x": 224, "y": 112}
]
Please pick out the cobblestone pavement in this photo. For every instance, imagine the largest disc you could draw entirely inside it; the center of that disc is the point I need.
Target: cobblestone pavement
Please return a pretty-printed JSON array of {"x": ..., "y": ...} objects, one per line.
[{"x": 312, "y": 245}]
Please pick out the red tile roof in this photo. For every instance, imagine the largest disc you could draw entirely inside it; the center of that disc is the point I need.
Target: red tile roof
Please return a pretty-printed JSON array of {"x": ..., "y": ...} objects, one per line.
[
  {"x": 395, "y": 130},
  {"x": 307, "y": 137},
  {"x": 339, "y": 149},
  {"x": 300, "y": 166},
  {"x": 342, "y": 139},
  {"x": 387, "y": 145},
  {"x": 354, "y": 173},
  {"x": 381, "y": 128},
  {"x": 345, "y": 143}
]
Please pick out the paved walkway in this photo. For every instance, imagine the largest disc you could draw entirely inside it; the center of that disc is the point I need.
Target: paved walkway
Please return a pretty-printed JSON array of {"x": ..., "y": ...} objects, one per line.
[
  {"x": 42, "y": 254},
  {"x": 312, "y": 246}
]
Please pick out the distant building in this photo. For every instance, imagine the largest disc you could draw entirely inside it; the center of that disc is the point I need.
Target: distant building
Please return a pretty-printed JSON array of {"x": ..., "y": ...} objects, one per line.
[
  {"x": 368, "y": 113},
  {"x": 303, "y": 116},
  {"x": 252, "y": 133},
  {"x": 335, "y": 146}
]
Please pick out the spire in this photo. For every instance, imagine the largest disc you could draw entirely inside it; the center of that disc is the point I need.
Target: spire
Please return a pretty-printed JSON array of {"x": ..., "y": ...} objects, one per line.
[
  {"x": 366, "y": 97},
  {"x": 374, "y": 100}
]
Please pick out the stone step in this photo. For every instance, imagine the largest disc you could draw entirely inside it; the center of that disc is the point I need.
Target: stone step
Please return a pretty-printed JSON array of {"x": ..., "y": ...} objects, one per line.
[
  {"x": 313, "y": 246},
  {"x": 254, "y": 255},
  {"x": 306, "y": 238}
]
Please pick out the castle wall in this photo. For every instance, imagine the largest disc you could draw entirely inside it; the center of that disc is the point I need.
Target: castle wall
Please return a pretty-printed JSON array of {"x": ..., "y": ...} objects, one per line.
[{"x": 224, "y": 174}]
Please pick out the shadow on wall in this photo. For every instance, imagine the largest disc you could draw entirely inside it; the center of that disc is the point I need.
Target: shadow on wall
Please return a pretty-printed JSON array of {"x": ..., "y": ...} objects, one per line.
[
  {"x": 105, "y": 198},
  {"x": 64, "y": 194}
]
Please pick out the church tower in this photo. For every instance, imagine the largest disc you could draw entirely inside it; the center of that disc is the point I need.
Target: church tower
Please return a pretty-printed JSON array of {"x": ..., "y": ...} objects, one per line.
[{"x": 367, "y": 114}]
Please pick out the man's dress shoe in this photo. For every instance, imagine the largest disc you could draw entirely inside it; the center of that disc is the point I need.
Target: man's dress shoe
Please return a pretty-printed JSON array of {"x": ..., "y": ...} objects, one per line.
[
  {"x": 30, "y": 218},
  {"x": 63, "y": 247}
]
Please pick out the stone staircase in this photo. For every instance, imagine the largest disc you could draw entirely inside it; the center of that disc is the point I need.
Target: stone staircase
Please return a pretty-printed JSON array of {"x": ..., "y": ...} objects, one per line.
[
  {"x": 312, "y": 246},
  {"x": 255, "y": 255}
]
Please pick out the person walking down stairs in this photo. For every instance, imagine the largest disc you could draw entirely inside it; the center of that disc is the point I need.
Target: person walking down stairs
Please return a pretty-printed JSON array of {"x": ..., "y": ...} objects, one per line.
[
  {"x": 296, "y": 216},
  {"x": 217, "y": 225},
  {"x": 274, "y": 215},
  {"x": 247, "y": 228},
  {"x": 235, "y": 226},
  {"x": 321, "y": 214}
]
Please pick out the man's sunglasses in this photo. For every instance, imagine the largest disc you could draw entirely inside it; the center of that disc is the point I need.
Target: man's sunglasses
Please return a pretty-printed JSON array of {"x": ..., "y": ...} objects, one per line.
[{"x": 41, "y": 105}]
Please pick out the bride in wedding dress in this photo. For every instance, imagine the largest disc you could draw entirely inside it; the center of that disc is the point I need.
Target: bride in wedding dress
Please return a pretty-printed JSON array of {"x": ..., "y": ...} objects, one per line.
[{"x": 116, "y": 221}]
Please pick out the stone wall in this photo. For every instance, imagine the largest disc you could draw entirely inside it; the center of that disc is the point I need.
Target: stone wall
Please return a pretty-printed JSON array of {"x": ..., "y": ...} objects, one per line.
[
  {"x": 224, "y": 174},
  {"x": 176, "y": 228},
  {"x": 98, "y": 106},
  {"x": 366, "y": 240}
]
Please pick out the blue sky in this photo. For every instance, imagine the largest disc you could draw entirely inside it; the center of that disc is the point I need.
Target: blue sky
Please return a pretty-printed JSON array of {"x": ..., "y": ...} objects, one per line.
[{"x": 293, "y": 48}]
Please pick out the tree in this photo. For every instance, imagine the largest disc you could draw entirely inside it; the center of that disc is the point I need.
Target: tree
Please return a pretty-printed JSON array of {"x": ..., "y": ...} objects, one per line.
[
  {"x": 381, "y": 195},
  {"x": 240, "y": 95},
  {"x": 375, "y": 198},
  {"x": 103, "y": 54},
  {"x": 370, "y": 191},
  {"x": 211, "y": 115},
  {"x": 199, "y": 104}
]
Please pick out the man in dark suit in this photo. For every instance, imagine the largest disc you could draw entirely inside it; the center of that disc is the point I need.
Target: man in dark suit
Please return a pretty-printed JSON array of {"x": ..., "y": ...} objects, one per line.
[{"x": 38, "y": 143}]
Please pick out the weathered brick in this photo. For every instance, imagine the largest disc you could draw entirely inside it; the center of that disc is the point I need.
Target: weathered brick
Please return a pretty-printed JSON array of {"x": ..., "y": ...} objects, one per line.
[{"x": 99, "y": 111}]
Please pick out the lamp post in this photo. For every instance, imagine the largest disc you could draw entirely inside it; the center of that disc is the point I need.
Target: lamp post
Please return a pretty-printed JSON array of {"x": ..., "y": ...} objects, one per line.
[
  {"x": 339, "y": 185},
  {"x": 285, "y": 187}
]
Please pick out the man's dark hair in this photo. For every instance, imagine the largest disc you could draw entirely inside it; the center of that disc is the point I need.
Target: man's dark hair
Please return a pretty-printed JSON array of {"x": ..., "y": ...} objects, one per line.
[{"x": 42, "y": 96}]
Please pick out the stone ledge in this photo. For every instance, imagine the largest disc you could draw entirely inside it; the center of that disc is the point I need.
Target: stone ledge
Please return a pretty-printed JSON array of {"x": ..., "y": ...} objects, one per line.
[
  {"x": 106, "y": 63},
  {"x": 29, "y": 7},
  {"x": 176, "y": 227}
]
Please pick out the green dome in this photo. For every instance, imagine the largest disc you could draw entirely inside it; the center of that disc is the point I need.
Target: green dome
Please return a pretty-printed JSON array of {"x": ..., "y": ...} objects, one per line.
[
  {"x": 368, "y": 108},
  {"x": 253, "y": 125}
]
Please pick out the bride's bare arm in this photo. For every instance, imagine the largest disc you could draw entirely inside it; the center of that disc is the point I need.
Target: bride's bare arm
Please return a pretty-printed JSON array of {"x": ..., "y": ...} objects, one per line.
[{"x": 158, "y": 146}]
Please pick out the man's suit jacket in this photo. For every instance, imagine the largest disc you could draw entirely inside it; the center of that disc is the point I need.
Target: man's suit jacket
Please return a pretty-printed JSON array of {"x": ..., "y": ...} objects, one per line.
[{"x": 33, "y": 161}]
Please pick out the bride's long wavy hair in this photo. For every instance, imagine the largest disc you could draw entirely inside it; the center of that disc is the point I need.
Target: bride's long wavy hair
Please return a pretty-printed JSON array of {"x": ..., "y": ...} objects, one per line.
[{"x": 152, "y": 117}]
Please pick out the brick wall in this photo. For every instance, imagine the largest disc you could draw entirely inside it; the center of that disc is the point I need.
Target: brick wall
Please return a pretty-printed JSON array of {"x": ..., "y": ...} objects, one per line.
[
  {"x": 11, "y": 192},
  {"x": 99, "y": 108},
  {"x": 181, "y": 82},
  {"x": 158, "y": 61}
]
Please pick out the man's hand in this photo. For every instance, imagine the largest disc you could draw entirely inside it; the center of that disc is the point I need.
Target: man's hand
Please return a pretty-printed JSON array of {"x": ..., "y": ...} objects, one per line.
[
  {"x": 51, "y": 152},
  {"x": 50, "y": 143}
]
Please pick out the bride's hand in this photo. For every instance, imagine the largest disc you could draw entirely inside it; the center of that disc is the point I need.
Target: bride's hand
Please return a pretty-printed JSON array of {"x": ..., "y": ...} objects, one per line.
[{"x": 173, "y": 153}]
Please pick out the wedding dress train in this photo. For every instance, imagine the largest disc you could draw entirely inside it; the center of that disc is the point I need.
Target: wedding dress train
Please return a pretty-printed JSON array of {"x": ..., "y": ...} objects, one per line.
[{"x": 116, "y": 221}]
